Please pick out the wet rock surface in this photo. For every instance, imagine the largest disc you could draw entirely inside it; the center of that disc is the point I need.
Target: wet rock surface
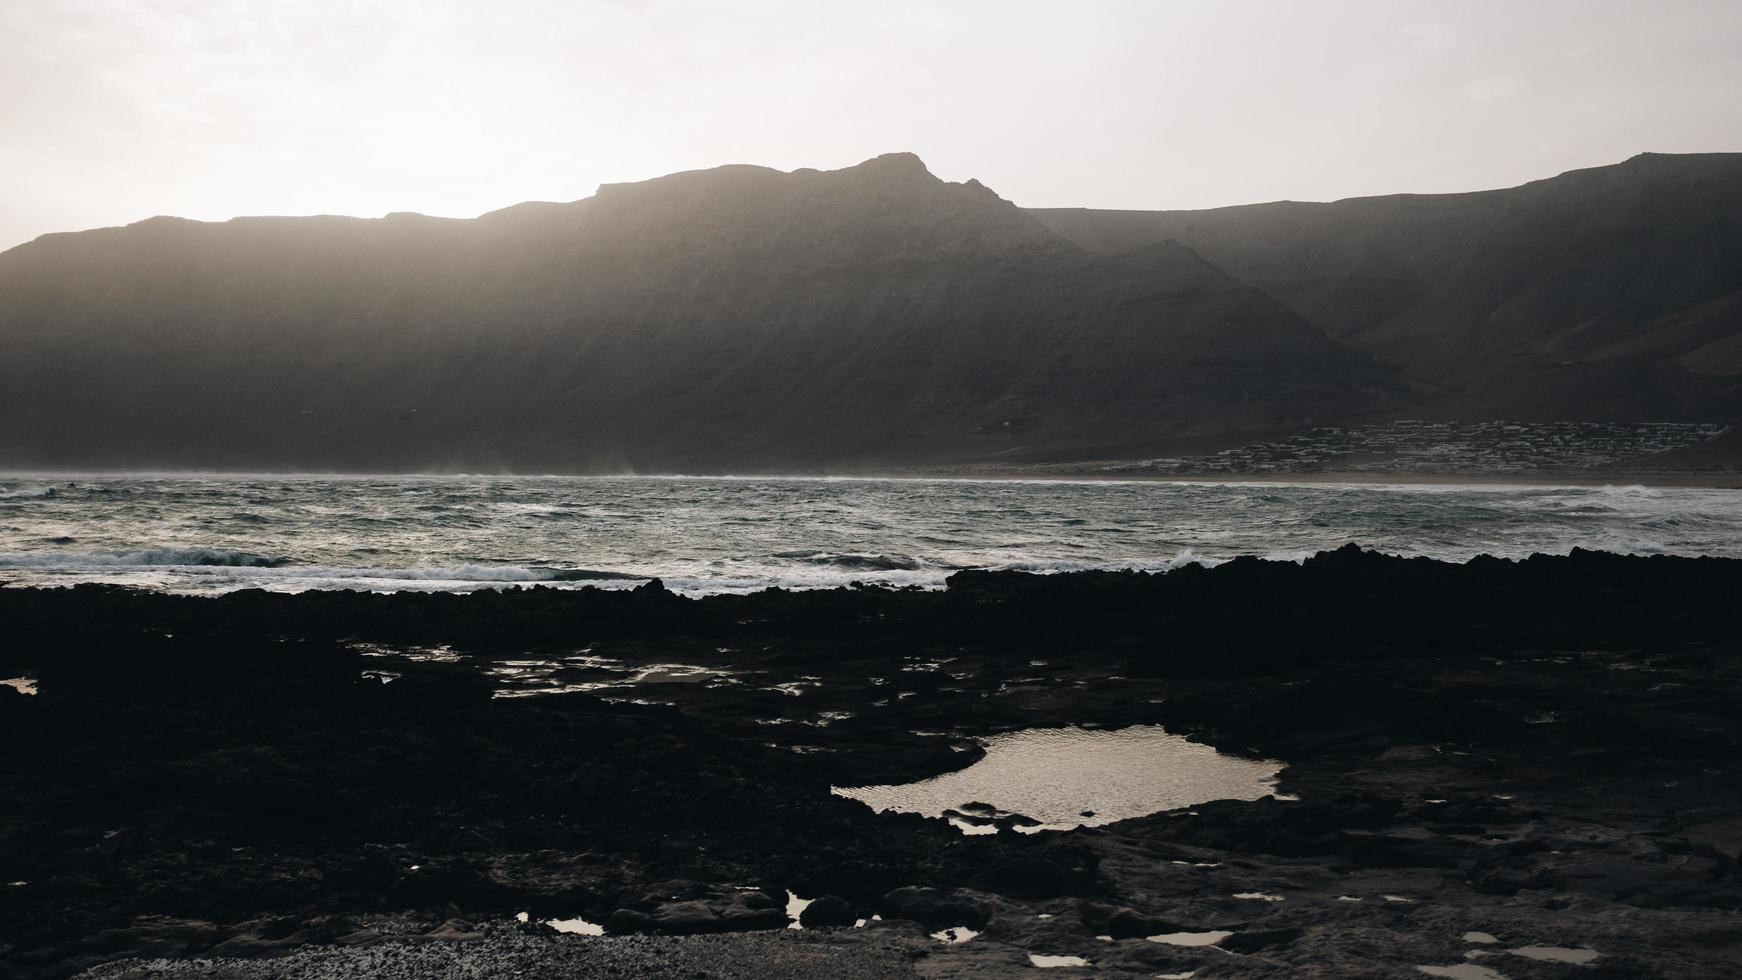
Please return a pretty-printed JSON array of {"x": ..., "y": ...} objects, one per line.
[{"x": 1539, "y": 751}]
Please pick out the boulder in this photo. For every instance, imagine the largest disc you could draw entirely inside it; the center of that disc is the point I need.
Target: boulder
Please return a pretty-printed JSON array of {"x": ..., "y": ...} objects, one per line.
[
  {"x": 828, "y": 911},
  {"x": 686, "y": 918},
  {"x": 934, "y": 909},
  {"x": 751, "y": 910}
]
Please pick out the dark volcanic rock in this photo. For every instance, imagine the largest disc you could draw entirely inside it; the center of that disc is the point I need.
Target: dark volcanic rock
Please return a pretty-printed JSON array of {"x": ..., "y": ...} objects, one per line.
[
  {"x": 934, "y": 909},
  {"x": 1255, "y": 940},
  {"x": 1028, "y": 877},
  {"x": 207, "y": 774},
  {"x": 829, "y": 910},
  {"x": 1123, "y": 923}
]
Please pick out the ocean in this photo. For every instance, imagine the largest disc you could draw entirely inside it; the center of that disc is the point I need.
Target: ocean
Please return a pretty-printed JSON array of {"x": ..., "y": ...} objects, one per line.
[{"x": 710, "y": 535}]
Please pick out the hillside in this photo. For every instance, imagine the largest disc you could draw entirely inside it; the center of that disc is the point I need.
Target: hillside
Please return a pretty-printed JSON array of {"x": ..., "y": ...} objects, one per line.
[
  {"x": 730, "y": 319},
  {"x": 1608, "y": 293}
]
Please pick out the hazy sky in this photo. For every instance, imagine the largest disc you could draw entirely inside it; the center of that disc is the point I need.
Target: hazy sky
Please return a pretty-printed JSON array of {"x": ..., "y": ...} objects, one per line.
[{"x": 115, "y": 110}]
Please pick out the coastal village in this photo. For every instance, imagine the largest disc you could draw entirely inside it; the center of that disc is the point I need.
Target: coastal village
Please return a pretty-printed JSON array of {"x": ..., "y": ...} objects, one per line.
[{"x": 1416, "y": 446}]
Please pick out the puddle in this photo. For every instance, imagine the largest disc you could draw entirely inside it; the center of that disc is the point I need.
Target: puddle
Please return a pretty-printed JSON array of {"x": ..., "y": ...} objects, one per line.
[
  {"x": 576, "y": 926},
  {"x": 1404, "y": 899},
  {"x": 954, "y": 934},
  {"x": 795, "y": 907},
  {"x": 1053, "y": 961},
  {"x": 921, "y": 664},
  {"x": 592, "y": 674},
  {"x": 674, "y": 674},
  {"x": 1259, "y": 897},
  {"x": 1462, "y": 971},
  {"x": 23, "y": 685},
  {"x": 1065, "y": 778},
  {"x": 1480, "y": 937},
  {"x": 422, "y": 655},
  {"x": 1209, "y": 938},
  {"x": 972, "y": 829},
  {"x": 1188, "y": 975},
  {"x": 1557, "y": 954}
]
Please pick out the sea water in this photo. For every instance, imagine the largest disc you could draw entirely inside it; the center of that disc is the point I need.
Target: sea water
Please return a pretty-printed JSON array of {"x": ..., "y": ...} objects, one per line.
[{"x": 706, "y": 535}]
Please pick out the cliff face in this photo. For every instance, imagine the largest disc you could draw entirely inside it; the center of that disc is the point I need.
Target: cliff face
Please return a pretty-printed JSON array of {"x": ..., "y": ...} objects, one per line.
[
  {"x": 729, "y": 319},
  {"x": 1614, "y": 292}
]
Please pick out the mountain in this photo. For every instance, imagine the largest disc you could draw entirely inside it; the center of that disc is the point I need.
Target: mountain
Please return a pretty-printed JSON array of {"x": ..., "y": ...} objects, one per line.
[
  {"x": 739, "y": 318},
  {"x": 1608, "y": 293}
]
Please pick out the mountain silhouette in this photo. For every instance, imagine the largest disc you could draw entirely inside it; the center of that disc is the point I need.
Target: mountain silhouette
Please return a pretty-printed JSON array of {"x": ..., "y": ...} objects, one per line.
[
  {"x": 1611, "y": 293},
  {"x": 732, "y": 319}
]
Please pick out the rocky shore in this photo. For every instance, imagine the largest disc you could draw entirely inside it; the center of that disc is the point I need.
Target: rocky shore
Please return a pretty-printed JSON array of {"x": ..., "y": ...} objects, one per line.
[{"x": 1513, "y": 769}]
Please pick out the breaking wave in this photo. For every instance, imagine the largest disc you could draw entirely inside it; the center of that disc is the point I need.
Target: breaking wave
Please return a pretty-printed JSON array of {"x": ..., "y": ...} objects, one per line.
[{"x": 1648, "y": 493}]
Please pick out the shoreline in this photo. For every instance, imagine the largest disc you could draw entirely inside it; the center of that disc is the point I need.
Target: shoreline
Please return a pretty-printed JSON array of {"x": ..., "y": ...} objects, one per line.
[
  {"x": 1535, "y": 750},
  {"x": 1725, "y": 481}
]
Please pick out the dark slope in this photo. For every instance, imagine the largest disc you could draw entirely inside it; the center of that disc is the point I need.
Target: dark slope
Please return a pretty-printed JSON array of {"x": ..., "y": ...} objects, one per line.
[
  {"x": 716, "y": 320},
  {"x": 1614, "y": 292}
]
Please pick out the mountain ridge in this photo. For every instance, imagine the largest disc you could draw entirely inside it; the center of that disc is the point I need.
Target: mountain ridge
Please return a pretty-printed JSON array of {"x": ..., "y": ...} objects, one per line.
[
  {"x": 707, "y": 321},
  {"x": 1599, "y": 290}
]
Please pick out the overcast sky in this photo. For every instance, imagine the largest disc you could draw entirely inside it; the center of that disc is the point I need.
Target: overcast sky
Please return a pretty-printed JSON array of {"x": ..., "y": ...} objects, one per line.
[{"x": 115, "y": 110}]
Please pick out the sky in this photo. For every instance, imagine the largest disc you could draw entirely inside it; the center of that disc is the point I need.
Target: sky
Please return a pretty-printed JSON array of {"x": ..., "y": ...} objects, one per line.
[{"x": 116, "y": 110}]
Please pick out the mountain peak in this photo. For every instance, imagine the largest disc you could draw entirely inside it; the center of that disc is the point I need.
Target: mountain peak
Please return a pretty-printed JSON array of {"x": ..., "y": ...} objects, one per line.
[{"x": 902, "y": 162}]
